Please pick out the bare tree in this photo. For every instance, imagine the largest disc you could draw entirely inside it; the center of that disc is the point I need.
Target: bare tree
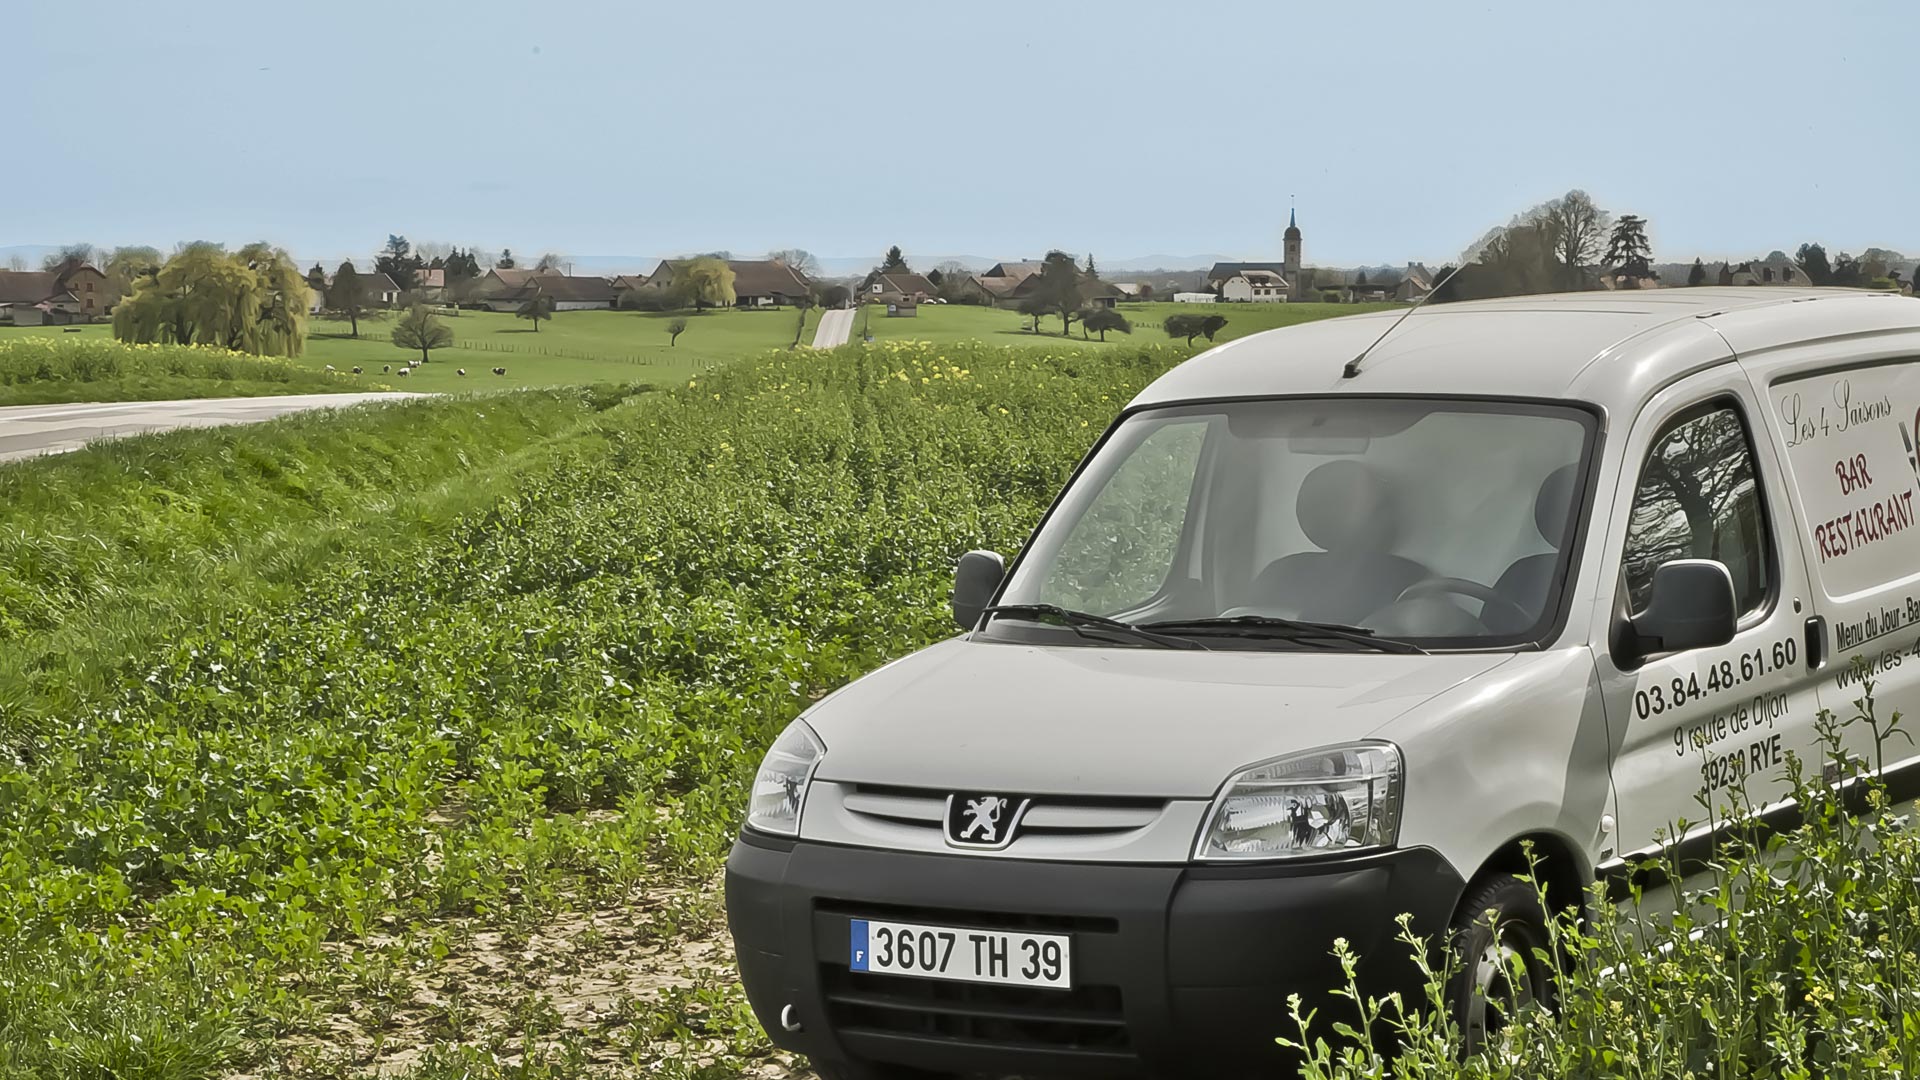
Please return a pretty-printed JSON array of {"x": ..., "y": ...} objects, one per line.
[
  {"x": 799, "y": 259},
  {"x": 552, "y": 260},
  {"x": 1575, "y": 230},
  {"x": 16, "y": 262}
]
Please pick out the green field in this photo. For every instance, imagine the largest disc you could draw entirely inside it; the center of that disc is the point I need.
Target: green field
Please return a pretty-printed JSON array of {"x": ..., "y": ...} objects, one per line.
[
  {"x": 947, "y": 323},
  {"x": 577, "y": 347},
  {"x": 572, "y": 348},
  {"x": 49, "y": 366},
  {"x": 407, "y": 741}
]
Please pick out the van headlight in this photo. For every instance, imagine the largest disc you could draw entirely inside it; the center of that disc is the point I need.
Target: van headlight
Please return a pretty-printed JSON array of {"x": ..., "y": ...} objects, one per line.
[
  {"x": 780, "y": 787},
  {"x": 1340, "y": 799}
]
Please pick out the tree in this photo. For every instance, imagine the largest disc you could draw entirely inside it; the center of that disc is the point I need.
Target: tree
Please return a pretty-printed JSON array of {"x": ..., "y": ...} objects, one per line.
[
  {"x": 1697, "y": 275},
  {"x": 1059, "y": 288},
  {"x": 131, "y": 262},
  {"x": 1033, "y": 307},
  {"x": 1186, "y": 326},
  {"x": 419, "y": 329},
  {"x": 803, "y": 304},
  {"x": 253, "y": 300},
  {"x": 1628, "y": 250},
  {"x": 398, "y": 262},
  {"x": 835, "y": 296},
  {"x": 1847, "y": 272},
  {"x": 675, "y": 327},
  {"x": 895, "y": 260},
  {"x": 1812, "y": 261},
  {"x": 350, "y": 297},
  {"x": 800, "y": 260},
  {"x": 552, "y": 260},
  {"x": 1101, "y": 320},
  {"x": 535, "y": 308},
  {"x": 505, "y": 261},
  {"x": 1091, "y": 271},
  {"x": 1573, "y": 227},
  {"x": 1360, "y": 279},
  {"x": 705, "y": 282},
  {"x": 69, "y": 257},
  {"x": 1212, "y": 324}
]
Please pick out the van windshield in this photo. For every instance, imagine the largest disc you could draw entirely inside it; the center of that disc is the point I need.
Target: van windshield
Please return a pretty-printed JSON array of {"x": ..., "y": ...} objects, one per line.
[{"x": 1444, "y": 523}]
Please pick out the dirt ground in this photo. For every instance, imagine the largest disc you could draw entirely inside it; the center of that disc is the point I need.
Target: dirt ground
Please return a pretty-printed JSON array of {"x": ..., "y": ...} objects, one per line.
[{"x": 639, "y": 989}]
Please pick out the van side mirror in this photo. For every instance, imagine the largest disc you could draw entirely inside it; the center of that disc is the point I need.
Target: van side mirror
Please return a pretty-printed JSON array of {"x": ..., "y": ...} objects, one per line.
[
  {"x": 1692, "y": 606},
  {"x": 975, "y": 581}
]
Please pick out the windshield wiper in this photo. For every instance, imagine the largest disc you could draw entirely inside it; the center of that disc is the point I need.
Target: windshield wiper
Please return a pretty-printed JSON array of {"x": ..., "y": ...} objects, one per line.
[
  {"x": 1080, "y": 622},
  {"x": 1284, "y": 629}
]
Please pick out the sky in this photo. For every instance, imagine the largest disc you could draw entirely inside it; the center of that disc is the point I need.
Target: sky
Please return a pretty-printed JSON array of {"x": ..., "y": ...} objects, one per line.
[{"x": 1398, "y": 131}]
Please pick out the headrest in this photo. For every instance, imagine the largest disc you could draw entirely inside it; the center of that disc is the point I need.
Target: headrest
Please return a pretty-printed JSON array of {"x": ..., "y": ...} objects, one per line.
[
  {"x": 1344, "y": 504},
  {"x": 1552, "y": 504}
]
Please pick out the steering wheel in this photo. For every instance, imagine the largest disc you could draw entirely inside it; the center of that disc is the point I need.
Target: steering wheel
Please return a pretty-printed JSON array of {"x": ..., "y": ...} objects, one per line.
[{"x": 1473, "y": 590}]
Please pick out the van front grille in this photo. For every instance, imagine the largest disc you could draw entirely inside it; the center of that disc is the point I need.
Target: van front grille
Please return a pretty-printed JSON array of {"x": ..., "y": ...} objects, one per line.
[
  {"x": 1049, "y": 815},
  {"x": 1086, "y": 1020}
]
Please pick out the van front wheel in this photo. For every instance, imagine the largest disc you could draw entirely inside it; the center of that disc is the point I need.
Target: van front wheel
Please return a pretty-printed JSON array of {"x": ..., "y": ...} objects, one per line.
[{"x": 1500, "y": 941}]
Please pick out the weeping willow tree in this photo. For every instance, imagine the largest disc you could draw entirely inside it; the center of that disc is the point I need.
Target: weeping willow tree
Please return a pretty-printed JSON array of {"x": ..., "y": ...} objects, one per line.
[{"x": 253, "y": 300}]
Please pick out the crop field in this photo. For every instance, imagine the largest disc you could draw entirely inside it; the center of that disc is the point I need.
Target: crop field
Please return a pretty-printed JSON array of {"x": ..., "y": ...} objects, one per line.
[
  {"x": 407, "y": 740},
  {"x": 52, "y": 367}
]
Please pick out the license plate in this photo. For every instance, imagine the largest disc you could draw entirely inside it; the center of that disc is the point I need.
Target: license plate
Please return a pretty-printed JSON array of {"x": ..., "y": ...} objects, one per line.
[{"x": 962, "y": 955}]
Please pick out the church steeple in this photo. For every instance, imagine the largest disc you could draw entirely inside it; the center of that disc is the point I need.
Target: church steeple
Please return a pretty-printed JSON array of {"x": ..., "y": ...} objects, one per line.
[{"x": 1290, "y": 265}]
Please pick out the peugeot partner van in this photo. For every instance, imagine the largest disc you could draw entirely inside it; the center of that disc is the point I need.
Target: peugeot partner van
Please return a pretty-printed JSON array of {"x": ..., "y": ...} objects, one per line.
[{"x": 1322, "y": 631}]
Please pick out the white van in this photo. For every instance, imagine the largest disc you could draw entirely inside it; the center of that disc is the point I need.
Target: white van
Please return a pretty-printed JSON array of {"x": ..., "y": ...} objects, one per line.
[{"x": 1308, "y": 644}]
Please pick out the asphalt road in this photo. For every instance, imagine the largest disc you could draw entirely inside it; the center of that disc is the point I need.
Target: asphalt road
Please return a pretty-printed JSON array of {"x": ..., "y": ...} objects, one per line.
[
  {"x": 31, "y": 430},
  {"x": 836, "y": 325}
]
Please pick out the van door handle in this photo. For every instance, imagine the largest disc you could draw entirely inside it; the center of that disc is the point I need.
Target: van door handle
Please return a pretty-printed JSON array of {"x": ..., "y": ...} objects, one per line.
[{"x": 1816, "y": 643}]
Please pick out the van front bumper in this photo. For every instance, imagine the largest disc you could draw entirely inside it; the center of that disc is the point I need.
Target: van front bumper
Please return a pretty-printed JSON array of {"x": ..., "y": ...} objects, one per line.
[{"x": 1178, "y": 970}]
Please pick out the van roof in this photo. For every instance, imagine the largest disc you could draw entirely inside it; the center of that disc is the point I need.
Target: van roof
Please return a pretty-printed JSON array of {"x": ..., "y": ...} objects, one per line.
[{"x": 1611, "y": 348}]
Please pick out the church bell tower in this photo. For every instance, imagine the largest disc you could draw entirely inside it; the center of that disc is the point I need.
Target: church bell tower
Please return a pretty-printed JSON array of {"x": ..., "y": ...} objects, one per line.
[{"x": 1290, "y": 267}]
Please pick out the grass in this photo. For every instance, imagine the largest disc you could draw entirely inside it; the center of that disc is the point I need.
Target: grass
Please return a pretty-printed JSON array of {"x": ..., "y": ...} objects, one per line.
[
  {"x": 53, "y": 367},
  {"x": 950, "y": 323},
  {"x": 572, "y": 348}
]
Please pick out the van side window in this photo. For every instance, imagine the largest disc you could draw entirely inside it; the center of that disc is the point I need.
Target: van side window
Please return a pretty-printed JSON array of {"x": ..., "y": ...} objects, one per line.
[{"x": 1699, "y": 499}]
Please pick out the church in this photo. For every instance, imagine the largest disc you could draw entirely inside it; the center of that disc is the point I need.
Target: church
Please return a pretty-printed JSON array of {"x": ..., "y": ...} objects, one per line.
[{"x": 1264, "y": 282}]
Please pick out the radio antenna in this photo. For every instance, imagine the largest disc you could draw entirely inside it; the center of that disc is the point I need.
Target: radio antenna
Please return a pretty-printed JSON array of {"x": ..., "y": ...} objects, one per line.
[{"x": 1352, "y": 370}]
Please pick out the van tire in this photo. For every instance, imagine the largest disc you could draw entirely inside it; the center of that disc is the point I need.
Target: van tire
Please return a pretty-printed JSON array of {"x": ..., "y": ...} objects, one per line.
[
  {"x": 864, "y": 1070},
  {"x": 1499, "y": 942}
]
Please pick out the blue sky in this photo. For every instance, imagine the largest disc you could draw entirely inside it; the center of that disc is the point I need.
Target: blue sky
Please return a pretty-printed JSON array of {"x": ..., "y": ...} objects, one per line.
[{"x": 987, "y": 128}]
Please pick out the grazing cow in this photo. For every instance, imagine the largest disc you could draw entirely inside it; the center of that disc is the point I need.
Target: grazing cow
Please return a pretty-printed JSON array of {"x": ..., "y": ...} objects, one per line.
[
  {"x": 329, "y": 367},
  {"x": 406, "y": 371},
  {"x": 386, "y": 369},
  {"x": 499, "y": 371},
  {"x": 460, "y": 372},
  {"x": 356, "y": 369}
]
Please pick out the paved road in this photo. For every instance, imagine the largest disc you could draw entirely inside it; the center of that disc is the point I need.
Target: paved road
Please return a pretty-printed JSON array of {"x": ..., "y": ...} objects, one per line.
[
  {"x": 30, "y": 430},
  {"x": 836, "y": 325}
]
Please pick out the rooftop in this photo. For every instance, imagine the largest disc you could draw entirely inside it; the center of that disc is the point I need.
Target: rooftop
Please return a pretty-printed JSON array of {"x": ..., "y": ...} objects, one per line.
[{"x": 1605, "y": 347}]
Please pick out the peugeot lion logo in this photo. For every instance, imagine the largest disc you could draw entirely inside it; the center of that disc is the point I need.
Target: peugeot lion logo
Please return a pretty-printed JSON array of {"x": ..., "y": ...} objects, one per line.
[{"x": 985, "y": 821}]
